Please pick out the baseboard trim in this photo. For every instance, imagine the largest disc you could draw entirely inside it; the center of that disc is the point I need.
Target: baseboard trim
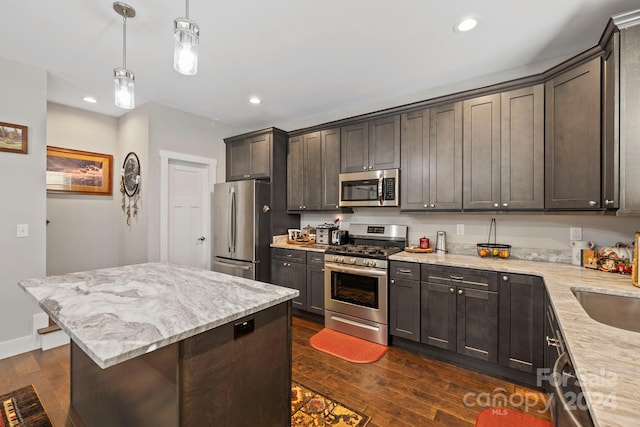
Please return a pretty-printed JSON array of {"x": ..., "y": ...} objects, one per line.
[{"x": 34, "y": 341}]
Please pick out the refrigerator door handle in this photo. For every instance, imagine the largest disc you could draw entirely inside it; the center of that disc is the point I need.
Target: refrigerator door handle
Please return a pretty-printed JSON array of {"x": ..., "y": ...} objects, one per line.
[{"x": 233, "y": 225}]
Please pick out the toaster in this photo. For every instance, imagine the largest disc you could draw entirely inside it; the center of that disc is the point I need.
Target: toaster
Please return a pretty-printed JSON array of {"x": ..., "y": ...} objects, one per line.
[{"x": 339, "y": 237}]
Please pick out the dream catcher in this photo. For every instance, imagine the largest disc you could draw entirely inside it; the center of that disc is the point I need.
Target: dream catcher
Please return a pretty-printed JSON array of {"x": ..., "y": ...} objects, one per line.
[{"x": 130, "y": 185}]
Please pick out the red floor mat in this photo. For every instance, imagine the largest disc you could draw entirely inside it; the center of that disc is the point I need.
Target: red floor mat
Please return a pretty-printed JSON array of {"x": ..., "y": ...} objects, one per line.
[
  {"x": 346, "y": 347},
  {"x": 501, "y": 417}
]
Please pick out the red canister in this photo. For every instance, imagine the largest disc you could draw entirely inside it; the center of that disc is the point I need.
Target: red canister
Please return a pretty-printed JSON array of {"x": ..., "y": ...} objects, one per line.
[{"x": 424, "y": 243}]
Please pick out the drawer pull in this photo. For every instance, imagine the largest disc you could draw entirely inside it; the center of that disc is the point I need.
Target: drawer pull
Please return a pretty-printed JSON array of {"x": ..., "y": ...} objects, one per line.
[
  {"x": 404, "y": 270},
  {"x": 457, "y": 277}
]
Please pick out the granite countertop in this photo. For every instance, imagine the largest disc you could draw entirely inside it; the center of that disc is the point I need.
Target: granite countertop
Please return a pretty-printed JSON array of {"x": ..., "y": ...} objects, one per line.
[
  {"x": 606, "y": 359},
  {"x": 116, "y": 314}
]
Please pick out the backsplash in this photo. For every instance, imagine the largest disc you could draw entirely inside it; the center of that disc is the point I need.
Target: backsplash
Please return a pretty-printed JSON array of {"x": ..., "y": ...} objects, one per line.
[{"x": 532, "y": 237}]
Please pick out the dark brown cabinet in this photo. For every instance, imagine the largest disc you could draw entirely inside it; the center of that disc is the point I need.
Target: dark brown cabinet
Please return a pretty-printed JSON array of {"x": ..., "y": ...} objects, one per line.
[
  {"x": 313, "y": 168},
  {"x": 611, "y": 123},
  {"x": 504, "y": 151},
  {"x": 404, "y": 300},
  {"x": 304, "y": 172},
  {"x": 572, "y": 138},
  {"x": 249, "y": 158},
  {"x": 521, "y": 314},
  {"x": 302, "y": 270},
  {"x": 459, "y": 308},
  {"x": 371, "y": 145},
  {"x": 431, "y": 158}
]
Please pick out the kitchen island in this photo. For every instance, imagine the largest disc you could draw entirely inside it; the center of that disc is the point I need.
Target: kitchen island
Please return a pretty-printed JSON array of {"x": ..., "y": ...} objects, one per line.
[{"x": 161, "y": 345}]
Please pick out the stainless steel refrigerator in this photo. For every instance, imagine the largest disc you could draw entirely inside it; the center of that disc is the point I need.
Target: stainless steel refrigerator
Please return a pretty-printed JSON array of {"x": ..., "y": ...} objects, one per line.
[{"x": 241, "y": 229}]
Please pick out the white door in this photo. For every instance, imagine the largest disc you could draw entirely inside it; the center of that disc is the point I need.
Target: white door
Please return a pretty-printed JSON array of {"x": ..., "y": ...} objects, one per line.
[{"x": 188, "y": 244}]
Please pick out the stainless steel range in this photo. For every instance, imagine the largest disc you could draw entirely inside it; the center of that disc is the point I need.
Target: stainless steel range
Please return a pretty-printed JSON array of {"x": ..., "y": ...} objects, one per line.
[{"x": 356, "y": 285}]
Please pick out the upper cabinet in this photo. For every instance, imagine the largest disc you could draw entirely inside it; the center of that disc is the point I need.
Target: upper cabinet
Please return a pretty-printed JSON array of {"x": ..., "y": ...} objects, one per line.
[
  {"x": 251, "y": 156},
  {"x": 371, "y": 145},
  {"x": 572, "y": 140},
  {"x": 313, "y": 167},
  {"x": 431, "y": 153},
  {"x": 610, "y": 123},
  {"x": 504, "y": 151}
]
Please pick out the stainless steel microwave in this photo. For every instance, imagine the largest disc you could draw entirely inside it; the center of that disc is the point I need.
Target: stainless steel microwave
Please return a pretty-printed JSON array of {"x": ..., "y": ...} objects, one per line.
[{"x": 371, "y": 188}]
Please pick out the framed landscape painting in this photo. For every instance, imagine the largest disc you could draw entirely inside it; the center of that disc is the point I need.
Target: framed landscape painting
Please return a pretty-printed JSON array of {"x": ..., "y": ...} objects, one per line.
[
  {"x": 79, "y": 172},
  {"x": 13, "y": 138}
]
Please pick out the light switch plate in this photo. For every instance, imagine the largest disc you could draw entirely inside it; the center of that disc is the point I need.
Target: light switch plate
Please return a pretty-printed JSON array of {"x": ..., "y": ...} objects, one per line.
[
  {"x": 22, "y": 230},
  {"x": 575, "y": 233}
]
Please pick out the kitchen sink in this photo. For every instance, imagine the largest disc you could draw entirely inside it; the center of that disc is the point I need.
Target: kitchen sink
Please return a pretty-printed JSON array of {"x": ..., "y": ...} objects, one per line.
[{"x": 619, "y": 311}]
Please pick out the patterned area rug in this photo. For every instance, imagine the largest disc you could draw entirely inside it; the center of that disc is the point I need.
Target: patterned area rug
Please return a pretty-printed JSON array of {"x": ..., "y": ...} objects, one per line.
[
  {"x": 309, "y": 408},
  {"x": 22, "y": 408}
]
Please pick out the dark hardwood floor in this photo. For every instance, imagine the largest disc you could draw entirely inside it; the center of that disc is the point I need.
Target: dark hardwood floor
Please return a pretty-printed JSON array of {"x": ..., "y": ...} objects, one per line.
[{"x": 401, "y": 389}]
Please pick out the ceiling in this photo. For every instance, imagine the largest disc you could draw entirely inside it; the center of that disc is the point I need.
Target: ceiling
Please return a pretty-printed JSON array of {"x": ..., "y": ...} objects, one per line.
[{"x": 311, "y": 62}]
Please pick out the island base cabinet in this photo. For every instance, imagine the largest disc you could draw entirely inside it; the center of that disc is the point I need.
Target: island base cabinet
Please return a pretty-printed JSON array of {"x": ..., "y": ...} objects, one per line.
[{"x": 237, "y": 374}]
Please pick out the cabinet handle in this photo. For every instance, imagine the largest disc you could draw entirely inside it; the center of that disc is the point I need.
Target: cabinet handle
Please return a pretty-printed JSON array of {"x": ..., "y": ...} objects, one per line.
[
  {"x": 505, "y": 205},
  {"x": 456, "y": 277},
  {"x": 608, "y": 202},
  {"x": 426, "y": 206},
  {"x": 322, "y": 270},
  {"x": 337, "y": 207},
  {"x": 460, "y": 292},
  {"x": 496, "y": 205},
  {"x": 505, "y": 278},
  {"x": 432, "y": 205},
  {"x": 592, "y": 203},
  {"x": 393, "y": 281},
  {"x": 370, "y": 167},
  {"x": 552, "y": 342},
  {"x": 451, "y": 290},
  {"x": 364, "y": 168},
  {"x": 404, "y": 270}
]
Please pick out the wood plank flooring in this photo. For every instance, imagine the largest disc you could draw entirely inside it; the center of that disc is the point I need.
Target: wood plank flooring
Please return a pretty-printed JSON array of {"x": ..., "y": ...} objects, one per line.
[{"x": 402, "y": 389}]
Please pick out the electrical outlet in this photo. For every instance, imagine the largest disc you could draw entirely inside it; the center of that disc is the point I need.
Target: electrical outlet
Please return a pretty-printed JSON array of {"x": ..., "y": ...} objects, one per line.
[
  {"x": 460, "y": 229},
  {"x": 575, "y": 233}
]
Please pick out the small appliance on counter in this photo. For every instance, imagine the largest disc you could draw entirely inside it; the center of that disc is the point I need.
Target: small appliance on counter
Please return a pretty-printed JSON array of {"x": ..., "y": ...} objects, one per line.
[
  {"x": 339, "y": 237},
  {"x": 323, "y": 233}
]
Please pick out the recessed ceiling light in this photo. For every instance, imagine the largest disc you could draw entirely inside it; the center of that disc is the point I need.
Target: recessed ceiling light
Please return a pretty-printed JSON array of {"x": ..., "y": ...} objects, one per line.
[
  {"x": 466, "y": 24},
  {"x": 90, "y": 99},
  {"x": 255, "y": 100}
]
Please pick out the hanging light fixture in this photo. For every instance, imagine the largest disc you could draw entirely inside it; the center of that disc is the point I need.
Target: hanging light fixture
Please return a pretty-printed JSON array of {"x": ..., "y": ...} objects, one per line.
[
  {"x": 123, "y": 78},
  {"x": 187, "y": 37}
]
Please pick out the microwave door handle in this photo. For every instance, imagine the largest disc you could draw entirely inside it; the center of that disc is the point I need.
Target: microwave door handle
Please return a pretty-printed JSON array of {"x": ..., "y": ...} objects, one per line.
[{"x": 380, "y": 188}]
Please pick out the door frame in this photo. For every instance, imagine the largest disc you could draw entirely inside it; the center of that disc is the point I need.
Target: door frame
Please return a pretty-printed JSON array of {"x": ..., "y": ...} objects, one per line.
[{"x": 210, "y": 167}]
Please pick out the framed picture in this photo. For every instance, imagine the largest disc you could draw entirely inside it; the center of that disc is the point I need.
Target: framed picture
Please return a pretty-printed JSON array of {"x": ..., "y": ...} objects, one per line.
[
  {"x": 79, "y": 172},
  {"x": 634, "y": 271},
  {"x": 13, "y": 138}
]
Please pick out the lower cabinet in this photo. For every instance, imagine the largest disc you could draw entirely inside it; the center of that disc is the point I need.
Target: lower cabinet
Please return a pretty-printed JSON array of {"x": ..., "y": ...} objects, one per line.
[
  {"x": 521, "y": 314},
  {"x": 404, "y": 300},
  {"x": 302, "y": 270},
  {"x": 459, "y": 309}
]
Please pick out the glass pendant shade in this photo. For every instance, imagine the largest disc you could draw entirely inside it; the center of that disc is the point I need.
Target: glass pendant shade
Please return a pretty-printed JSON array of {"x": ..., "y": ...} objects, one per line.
[
  {"x": 124, "y": 81},
  {"x": 185, "y": 55}
]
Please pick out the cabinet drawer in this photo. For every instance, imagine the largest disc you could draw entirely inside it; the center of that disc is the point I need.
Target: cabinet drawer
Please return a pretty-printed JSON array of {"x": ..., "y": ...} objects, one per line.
[
  {"x": 456, "y": 276},
  {"x": 293, "y": 255},
  {"x": 404, "y": 270},
  {"x": 316, "y": 258}
]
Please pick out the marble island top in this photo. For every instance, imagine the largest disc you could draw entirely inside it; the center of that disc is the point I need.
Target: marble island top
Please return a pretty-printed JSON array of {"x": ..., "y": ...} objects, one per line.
[
  {"x": 606, "y": 359},
  {"x": 116, "y": 314}
]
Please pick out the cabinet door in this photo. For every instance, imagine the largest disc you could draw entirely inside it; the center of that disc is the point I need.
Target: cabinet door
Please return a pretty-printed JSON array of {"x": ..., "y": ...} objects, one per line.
[
  {"x": 295, "y": 173},
  {"x": 481, "y": 153},
  {"x": 312, "y": 174},
  {"x": 330, "y": 169},
  {"x": 477, "y": 318},
  {"x": 261, "y": 156},
  {"x": 354, "y": 148},
  {"x": 521, "y": 341},
  {"x": 438, "y": 315},
  {"x": 572, "y": 139},
  {"x": 611, "y": 123},
  {"x": 315, "y": 289},
  {"x": 384, "y": 143},
  {"x": 291, "y": 275},
  {"x": 445, "y": 157},
  {"x": 238, "y": 157},
  {"x": 404, "y": 301},
  {"x": 522, "y": 149},
  {"x": 414, "y": 152}
]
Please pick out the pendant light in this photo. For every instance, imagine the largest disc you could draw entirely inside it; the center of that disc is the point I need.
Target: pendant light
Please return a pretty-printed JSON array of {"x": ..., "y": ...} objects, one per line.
[
  {"x": 187, "y": 37},
  {"x": 123, "y": 78}
]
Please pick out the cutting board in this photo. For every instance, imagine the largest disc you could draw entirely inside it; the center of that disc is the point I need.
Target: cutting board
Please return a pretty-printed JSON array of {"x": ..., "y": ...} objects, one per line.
[{"x": 418, "y": 250}]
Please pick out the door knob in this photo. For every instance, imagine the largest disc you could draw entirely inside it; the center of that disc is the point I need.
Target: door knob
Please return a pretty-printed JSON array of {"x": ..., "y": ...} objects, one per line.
[{"x": 201, "y": 238}]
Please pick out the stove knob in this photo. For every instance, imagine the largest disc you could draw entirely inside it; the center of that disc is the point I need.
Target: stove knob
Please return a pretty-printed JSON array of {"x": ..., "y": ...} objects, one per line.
[
  {"x": 372, "y": 263},
  {"x": 352, "y": 261},
  {"x": 340, "y": 259}
]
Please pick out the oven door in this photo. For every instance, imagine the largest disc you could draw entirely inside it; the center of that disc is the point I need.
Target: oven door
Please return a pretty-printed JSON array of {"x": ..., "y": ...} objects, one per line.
[{"x": 356, "y": 291}]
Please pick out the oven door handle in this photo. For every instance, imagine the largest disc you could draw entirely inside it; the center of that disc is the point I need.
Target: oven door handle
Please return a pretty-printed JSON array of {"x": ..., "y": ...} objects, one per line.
[{"x": 362, "y": 271}]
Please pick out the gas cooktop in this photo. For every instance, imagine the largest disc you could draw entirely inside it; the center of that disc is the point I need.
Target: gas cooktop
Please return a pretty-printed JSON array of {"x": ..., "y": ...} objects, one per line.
[{"x": 368, "y": 251}]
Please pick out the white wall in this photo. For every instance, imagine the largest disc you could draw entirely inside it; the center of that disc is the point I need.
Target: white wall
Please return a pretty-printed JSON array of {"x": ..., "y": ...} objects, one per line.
[
  {"x": 83, "y": 232},
  {"x": 23, "y": 91},
  {"x": 528, "y": 231}
]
